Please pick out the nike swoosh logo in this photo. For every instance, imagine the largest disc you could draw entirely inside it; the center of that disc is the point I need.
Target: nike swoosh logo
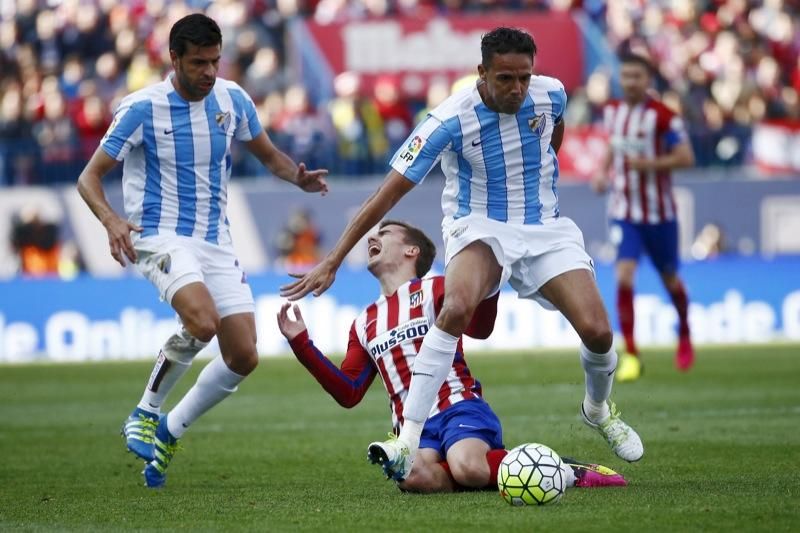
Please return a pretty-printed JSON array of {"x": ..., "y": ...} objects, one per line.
[
  {"x": 468, "y": 426},
  {"x": 421, "y": 374},
  {"x": 610, "y": 373},
  {"x": 476, "y": 142},
  {"x": 169, "y": 132}
]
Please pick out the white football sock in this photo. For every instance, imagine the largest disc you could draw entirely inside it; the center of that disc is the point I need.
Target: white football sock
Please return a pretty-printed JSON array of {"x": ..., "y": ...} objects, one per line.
[
  {"x": 215, "y": 383},
  {"x": 599, "y": 371},
  {"x": 431, "y": 366},
  {"x": 173, "y": 361},
  {"x": 569, "y": 475}
]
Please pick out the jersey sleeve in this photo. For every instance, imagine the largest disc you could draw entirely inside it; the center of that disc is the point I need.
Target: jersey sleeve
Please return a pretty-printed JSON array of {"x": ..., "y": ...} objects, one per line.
[
  {"x": 348, "y": 383},
  {"x": 558, "y": 100},
  {"x": 422, "y": 150},
  {"x": 482, "y": 323},
  {"x": 126, "y": 130},
  {"x": 248, "y": 126},
  {"x": 671, "y": 128}
]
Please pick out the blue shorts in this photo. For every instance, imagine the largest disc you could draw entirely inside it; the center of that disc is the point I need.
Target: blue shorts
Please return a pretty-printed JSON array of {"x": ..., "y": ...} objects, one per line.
[
  {"x": 463, "y": 420},
  {"x": 659, "y": 241}
]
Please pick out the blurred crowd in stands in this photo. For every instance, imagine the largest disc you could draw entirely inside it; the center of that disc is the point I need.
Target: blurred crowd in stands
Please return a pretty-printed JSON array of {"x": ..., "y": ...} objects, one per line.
[{"x": 64, "y": 66}]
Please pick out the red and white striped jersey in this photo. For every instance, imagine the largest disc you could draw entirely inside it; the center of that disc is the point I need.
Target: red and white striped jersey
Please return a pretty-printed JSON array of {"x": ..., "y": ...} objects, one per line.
[
  {"x": 391, "y": 330},
  {"x": 646, "y": 130}
]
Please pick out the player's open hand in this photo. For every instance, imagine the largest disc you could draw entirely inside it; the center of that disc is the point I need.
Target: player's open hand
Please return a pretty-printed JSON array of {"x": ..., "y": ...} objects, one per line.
[
  {"x": 316, "y": 281},
  {"x": 119, "y": 239},
  {"x": 290, "y": 328},
  {"x": 311, "y": 180},
  {"x": 599, "y": 184}
]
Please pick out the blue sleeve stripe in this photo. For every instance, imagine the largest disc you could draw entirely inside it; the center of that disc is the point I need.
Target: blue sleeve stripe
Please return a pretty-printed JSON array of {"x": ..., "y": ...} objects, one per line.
[
  {"x": 672, "y": 139},
  {"x": 127, "y": 125},
  {"x": 151, "y": 205},
  {"x": 218, "y": 153},
  {"x": 184, "y": 164},
  {"x": 427, "y": 157},
  {"x": 531, "y": 163},
  {"x": 558, "y": 99},
  {"x": 355, "y": 384},
  {"x": 464, "y": 169},
  {"x": 495, "y": 162},
  {"x": 245, "y": 108}
]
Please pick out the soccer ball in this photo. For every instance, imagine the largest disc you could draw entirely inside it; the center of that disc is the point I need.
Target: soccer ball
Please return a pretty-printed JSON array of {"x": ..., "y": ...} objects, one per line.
[{"x": 531, "y": 474}]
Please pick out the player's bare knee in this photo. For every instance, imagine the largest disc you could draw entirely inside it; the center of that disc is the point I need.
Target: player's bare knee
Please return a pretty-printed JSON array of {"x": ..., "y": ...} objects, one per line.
[
  {"x": 455, "y": 315},
  {"x": 241, "y": 361},
  {"x": 203, "y": 328},
  {"x": 472, "y": 473},
  {"x": 598, "y": 337}
]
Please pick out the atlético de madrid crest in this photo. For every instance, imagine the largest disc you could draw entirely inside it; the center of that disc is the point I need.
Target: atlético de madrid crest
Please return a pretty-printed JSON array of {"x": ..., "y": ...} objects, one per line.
[
  {"x": 538, "y": 123},
  {"x": 223, "y": 120},
  {"x": 415, "y": 299}
]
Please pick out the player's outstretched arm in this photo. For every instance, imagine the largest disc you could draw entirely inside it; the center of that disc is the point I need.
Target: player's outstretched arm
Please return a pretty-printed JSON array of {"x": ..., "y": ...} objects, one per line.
[
  {"x": 347, "y": 384},
  {"x": 282, "y": 166},
  {"x": 317, "y": 281},
  {"x": 90, "y": 187}
]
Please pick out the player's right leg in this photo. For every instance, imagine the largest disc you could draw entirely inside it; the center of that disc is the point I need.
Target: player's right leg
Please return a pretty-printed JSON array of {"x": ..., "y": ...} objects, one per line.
[
  {"x": 429, "y": 475},
  {"x": 471, "y": 275},
  {"x": 172, "y": 267},
  {"x": 575, "y": 294},
  {"x": 628, "y": 241}
]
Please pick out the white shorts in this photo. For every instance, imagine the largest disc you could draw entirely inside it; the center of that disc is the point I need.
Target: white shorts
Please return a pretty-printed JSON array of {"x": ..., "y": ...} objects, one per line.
[
  {"x": 531, "y": 255},
  {"x": 171, "y": 262}
]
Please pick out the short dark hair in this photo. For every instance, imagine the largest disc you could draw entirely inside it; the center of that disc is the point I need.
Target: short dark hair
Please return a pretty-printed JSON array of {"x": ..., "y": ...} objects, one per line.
[
  {"x": 632, "y": 58},
  {"x": 196, "y": 29},
  {"x": 506, "y": 41},
  {"x": 416, "y": 237}
]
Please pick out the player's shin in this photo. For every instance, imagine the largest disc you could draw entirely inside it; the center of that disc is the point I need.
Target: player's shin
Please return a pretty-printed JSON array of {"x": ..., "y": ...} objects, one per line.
[
  {"x": 174, "y": 360},
  {"x": 431, "y": 367},
  {"x": 215, "y": 383},
  {"x": 599, "y": 372}
]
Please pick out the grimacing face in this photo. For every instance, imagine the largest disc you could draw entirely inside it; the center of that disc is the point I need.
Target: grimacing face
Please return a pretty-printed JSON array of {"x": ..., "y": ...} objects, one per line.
[
  {"x": 196, "y": 70},
  {"x": 387, "y": 247},
  {"x": 506, "y": 81},
  {"x": 635, "y": 80}
]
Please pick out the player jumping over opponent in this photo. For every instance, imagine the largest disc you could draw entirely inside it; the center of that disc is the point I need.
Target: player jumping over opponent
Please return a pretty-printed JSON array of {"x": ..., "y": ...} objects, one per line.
[
  {"x": 497, "y": 141},
  {"x": 462, "y": 444}
]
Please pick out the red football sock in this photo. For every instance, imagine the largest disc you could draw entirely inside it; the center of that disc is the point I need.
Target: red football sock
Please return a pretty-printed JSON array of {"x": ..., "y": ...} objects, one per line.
[
  {"x": 626, "y": 317},
  {"x": 681, "y": 302},
  {"x": 446, "y": 467},
  {"x": 494, "y": 458}
]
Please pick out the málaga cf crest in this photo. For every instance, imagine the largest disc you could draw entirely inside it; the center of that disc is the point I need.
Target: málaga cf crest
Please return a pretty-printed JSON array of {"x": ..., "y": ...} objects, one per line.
[
  {"x": 538, "y": 123},
  {"x": 223, "y": 120}
]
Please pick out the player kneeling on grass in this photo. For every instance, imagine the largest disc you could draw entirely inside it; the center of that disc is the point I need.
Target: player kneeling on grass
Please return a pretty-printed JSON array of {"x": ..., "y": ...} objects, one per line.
[{"x": 462, "y": 444}]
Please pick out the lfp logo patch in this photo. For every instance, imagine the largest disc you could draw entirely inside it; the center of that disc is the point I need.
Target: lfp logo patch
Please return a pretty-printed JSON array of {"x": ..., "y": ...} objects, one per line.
[{"x": 415, "y": 145}]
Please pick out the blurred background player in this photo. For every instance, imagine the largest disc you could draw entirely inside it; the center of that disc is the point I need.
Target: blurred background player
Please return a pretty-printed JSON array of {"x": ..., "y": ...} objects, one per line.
[
  {"x": 497, "y": 141},
  {"x": 647, "y": 141},
  {"x": 175, "y": 138},
  {"x": 462, "y": 442}
]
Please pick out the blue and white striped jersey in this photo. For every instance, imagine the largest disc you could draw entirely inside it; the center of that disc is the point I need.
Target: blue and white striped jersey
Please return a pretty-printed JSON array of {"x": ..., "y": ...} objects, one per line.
[
  {"x": 497, "y": 165},
  {"x": 178, "y": 157}
]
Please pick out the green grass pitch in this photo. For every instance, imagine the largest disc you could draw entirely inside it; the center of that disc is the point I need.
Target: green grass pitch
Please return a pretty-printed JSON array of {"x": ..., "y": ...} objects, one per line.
[{"x": 722, "y": 450}]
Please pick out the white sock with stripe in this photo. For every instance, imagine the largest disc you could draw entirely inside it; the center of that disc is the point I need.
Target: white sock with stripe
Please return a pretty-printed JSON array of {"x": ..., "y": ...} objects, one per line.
[
  {"x": 173, "y": 361},
  {"x": 431, "y": 366},
  {"x": 215, "y": 383},
  {"x": 599, "y": 371}
]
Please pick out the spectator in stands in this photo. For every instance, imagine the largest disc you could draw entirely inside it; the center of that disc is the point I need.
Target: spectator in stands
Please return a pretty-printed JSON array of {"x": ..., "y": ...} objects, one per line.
[{"x": 36, "y": 242}]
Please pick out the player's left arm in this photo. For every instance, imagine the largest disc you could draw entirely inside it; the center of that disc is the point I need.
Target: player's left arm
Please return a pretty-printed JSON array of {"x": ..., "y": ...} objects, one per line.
[
  {"x": 558, "y": 136},
  {"x": 282, "y": 165},
  {"x": 346, "y": 384}
]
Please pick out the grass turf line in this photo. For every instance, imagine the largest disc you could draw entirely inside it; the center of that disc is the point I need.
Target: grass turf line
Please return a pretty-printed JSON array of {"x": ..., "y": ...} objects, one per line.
[{"x": 721, "y": 450}]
